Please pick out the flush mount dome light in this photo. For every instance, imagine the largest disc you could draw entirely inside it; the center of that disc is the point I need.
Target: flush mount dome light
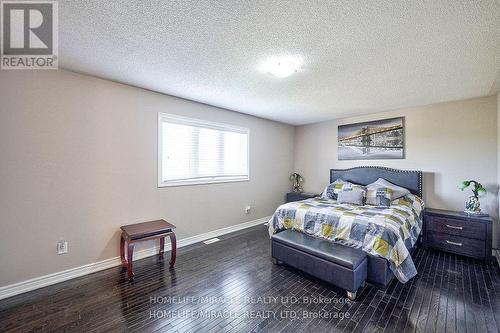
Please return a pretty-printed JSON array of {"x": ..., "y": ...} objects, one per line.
[{"x": 281, "y": 66}]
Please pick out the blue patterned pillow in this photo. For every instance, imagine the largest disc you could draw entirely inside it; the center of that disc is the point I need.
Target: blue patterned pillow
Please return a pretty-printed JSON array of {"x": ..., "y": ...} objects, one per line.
[
  {"x": 332, "y": 190},
  {"x": 354, "y": 195},
  {"x": 378, "y": 196},
  {"x": 382, "y": 192}
]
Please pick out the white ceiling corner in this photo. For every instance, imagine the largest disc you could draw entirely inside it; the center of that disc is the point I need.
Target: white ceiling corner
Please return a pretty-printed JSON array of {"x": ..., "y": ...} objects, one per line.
[{"x": 358, "y": 56}]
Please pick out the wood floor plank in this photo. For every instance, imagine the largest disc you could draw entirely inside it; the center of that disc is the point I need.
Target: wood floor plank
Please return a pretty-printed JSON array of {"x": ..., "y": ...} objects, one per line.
[
  {"x": 450, "y": 293},
  {"x": 486, "y": 309},
  {"x": 429, "y": 279},
  {"x": 494, "y": 295},
  {"x": 419, "y": 292},
  {"x": 452, "y": 299}
]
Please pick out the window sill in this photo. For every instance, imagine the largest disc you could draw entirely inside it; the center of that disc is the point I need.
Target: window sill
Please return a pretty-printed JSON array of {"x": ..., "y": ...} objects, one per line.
[{"x": 202, "y": 182}]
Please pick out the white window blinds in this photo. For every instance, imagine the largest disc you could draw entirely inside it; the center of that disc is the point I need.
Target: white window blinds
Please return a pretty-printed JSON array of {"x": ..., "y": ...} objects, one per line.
[{"x": 193, "y": 151}]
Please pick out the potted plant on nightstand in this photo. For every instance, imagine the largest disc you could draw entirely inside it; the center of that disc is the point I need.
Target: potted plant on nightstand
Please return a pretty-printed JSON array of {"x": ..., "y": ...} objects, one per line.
[
  {"x": 296, "y": 179},
  {"x": 472, "y": 205}
]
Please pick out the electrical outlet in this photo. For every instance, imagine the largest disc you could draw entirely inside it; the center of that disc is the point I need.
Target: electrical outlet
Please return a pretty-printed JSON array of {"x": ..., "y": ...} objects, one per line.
[
  {"x": 248, "y": 209},
  {"x": 62, "y": 247}
]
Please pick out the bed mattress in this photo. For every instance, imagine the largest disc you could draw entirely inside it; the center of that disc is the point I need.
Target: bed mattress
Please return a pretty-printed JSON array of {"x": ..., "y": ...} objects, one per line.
[{"x": 386, "y": 233}]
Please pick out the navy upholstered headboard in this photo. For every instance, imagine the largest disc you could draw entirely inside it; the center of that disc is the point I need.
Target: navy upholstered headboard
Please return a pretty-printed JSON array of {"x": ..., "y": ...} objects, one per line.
[{"x": 410, "y": 179}]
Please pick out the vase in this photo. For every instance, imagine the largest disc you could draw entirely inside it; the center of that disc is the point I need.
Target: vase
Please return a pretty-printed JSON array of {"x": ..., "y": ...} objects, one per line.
[
  {"x": 297, "y": 188},
  {"x": 472, "y": 205}
]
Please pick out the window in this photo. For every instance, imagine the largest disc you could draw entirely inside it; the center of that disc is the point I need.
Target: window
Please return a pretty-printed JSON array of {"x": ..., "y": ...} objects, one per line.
[{"x": 194, "y": 151}]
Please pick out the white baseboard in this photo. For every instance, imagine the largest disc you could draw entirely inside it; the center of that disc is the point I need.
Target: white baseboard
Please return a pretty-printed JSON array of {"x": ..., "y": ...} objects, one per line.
[{"x": 47, "y": 280}]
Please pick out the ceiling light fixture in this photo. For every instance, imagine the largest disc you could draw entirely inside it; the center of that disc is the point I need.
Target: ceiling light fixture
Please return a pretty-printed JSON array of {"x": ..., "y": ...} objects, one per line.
[{"x": 281, "y": 66}]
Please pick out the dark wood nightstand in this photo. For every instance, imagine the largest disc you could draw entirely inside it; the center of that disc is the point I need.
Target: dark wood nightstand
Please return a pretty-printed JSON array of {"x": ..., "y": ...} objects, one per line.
[
  {"x": 295, "y": 196},
  {"x": 458, "y": 233}
]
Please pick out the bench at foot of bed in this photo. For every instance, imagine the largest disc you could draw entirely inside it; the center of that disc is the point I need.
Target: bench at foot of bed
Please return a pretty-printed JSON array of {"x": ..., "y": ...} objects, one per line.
[{"x": 340, "y": 265}]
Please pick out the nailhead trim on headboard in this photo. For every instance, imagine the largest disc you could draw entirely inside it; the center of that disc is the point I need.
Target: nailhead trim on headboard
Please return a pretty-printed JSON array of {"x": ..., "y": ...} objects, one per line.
[{"x": 418, "y": 173}]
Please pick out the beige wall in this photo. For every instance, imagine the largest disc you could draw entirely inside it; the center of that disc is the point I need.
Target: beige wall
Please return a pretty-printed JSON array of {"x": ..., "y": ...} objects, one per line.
[
  {"x": 498, "y": 169},
  {"x": 448, "y": 141},
  {"x": 78, "y": 159}
]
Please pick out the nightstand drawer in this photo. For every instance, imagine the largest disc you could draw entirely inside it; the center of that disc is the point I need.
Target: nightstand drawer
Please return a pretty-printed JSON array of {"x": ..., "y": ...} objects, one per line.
[
  {"x": 455, "y": 244},
  {"x": 456, "y": 227}
]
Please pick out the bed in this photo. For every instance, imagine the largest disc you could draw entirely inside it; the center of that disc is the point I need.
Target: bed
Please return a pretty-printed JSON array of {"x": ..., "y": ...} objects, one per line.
[{"x": 400, "y": 224}]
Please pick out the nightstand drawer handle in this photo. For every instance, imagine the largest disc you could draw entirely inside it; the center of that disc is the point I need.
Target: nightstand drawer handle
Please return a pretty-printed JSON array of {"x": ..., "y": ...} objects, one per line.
[
  {"x": 453, "y": 243},
  {"x": 454, "y": 227}
]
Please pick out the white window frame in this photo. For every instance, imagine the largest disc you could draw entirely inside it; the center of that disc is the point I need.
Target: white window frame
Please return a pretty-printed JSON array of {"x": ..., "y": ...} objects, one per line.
[{"x": 201, "y": 123}]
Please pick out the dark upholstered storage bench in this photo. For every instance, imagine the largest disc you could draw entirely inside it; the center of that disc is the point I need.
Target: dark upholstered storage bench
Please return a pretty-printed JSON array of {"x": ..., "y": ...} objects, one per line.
[{"x": 342, "y": 266}]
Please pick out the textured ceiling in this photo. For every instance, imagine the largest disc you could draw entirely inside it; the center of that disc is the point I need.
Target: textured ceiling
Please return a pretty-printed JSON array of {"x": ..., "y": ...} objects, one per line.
[{"x": 358, "y": 56}]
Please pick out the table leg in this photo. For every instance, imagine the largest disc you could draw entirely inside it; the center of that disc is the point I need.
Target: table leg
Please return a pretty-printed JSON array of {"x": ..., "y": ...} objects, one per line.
[
  {"x": 173, "y": 242},
  {"x": 162, "y": 246},
  {"x": 122, "y": 251},
  {"x": 130, "y": 254}
]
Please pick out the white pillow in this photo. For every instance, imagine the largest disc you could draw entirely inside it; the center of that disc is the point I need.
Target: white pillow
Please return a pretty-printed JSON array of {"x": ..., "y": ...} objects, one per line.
[{"x": 397, "y": 191}]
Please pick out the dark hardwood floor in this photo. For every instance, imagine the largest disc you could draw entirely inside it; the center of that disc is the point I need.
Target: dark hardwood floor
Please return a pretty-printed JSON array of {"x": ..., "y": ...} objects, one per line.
[{"x": 231, "y": 286}]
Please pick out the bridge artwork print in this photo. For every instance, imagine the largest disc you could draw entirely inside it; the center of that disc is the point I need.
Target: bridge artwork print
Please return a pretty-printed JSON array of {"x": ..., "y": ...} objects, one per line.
[{"x": 373, "y": 140}]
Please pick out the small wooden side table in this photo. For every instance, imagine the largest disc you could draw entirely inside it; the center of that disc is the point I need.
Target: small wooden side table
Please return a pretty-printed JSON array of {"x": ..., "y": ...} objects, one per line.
[{"x": 133, "y": 233}]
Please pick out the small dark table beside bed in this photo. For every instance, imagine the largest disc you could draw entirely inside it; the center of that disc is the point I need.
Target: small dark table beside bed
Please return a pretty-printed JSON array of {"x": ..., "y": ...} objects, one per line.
[
  {"x": 133, "y": 233},
  {"x": 343, "y": 266}
]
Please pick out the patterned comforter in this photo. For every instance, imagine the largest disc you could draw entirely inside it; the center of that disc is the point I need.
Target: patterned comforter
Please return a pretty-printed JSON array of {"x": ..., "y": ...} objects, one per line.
[{"x": 386, "y": 232}]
